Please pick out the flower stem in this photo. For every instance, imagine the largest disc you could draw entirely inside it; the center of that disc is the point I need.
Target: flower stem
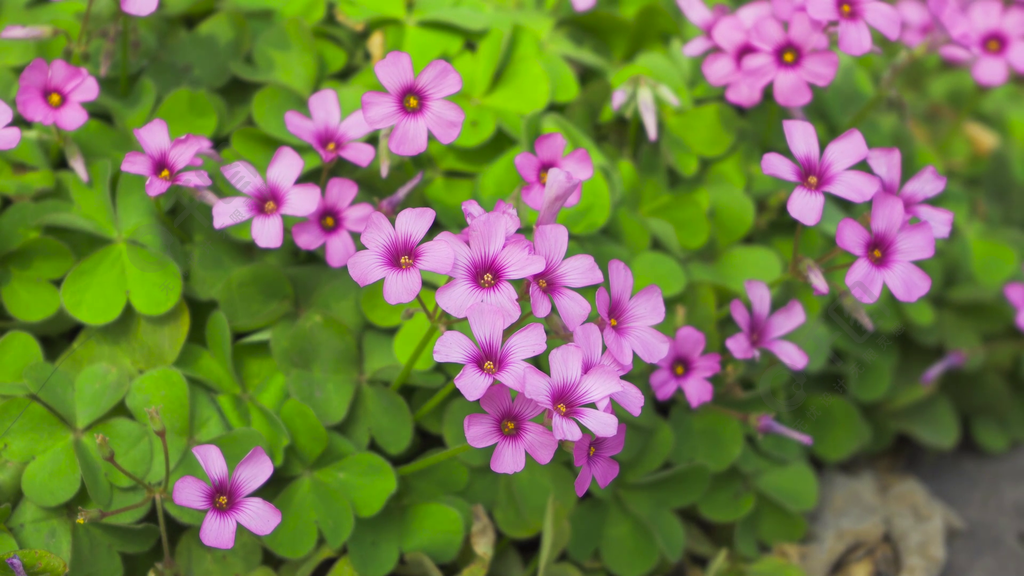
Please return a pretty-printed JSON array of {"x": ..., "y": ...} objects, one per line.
[
  {"x": 835, "y": 252},
  {"x": 129, "y": 475},
  {"x": 419, "y": 298},
  {"x": 79, "y": 43},
  {"x": 325, "y": 172},
  {"x": 796, "y": 248},
  {"x": 139, "y": 504},
  {"x": 407, "y": 369},
  {"x": 429, "y": 461},
  {"x": 836, "y": 267},
  {"x": 436, "y": 399},
  {"x": 167, "y": 461},
  {"x": 125, "y": 31},
  {"x": 168, "y": 562}
]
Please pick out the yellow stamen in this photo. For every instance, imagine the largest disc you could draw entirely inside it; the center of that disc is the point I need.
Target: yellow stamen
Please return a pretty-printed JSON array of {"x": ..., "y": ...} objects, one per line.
[
  {"x": 165, "y": 174},
  {"x": 489, "y": 367},
  {"x": 221, "y": 503},
  {"x": 543, "y": 177},
  {"x": 330, "y": 146},
  {"x": 812, "y": 182},
  {"x": 487, "y": 280},
  {"x": 560, "y": 408},
  {"x": 54, "y": 99},
  {"x": 412, "y": 103},
  {"x": 994, "y": 45},
  {"x": 508, "y": 427},
  {"x": 80, "y": 520},
  {"x": 590, "y": 452},
  {"x": 679, "y": 369},
  {"x": 270, "y": 207},
  {"x": 542, "y": 283},
  {"x": 405, "y": 262},
  {"x": 789, "y": 56},
  {"x": 845, "y": 8},
  {"x": 876, "y": 255},
  {"x": 613, "y": 322},
  {"x": 328, "y": 223}
]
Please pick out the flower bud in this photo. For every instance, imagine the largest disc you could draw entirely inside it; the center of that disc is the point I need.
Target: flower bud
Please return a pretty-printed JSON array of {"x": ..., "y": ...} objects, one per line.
[
  {"x": 155, "y": 421},
  {"x": 16, "y": 566},
  {"x": 954, "y": 359},
  {"x": 106, "y": 452},
  {"x": 766, "y": 424},
  {"x": 85, "y": 515},
  {"x": 815, "y": 277}
]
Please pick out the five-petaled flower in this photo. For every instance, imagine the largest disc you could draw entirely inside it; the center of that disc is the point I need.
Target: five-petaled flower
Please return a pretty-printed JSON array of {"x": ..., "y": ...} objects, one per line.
[
  {"x": 414, "y": 104},
  {"x": 53, "y": 93},
  {"x": 163, "y": 160},
  {"x": 790, "y": 60},
  {"x": 588, "y": 338},
  {"x": 331, "y": 222},
  {"x": 534, "y": 169},
  {"x": 628, "y": 319},
  {"x": 885, "y": 254},
  {"x": 817, "y": 173},
  {"x": 227, "y": 498},
  {"x": 568, "y": 390},
  {"x": 928, "y": 183},
  {"x": 559, "y": 275},
  {"x": 9, "y": 135},
  {"x": 989, "y": 36},
  {"x": 265, "y": 202},
  {"x": 760, "y": 329},
  {"x": 593, "y": 456},
  {"x": 507, "y": 424},
  {"x": 854, "y": 17},
  {"x": 489, "y": 360},
  {"x": 396, "y": 255},
  {"x": 686, "y": 368},
  {"x": 327, "y": 133}
]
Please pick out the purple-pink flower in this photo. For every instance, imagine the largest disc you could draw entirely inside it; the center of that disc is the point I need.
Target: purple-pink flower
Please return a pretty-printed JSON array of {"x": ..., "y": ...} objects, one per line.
[
  {"x": 327, "y": 133},
  {"x": 594, "y": 457},
  {"x": 414, "y": 104},
  {"x": 854, "y": 17},
  {"x": 331, "y": 222},
  {"x": 9, "y": 135},
  {"x": 817, "y": 173},
  {"x": 396, "y": 255},
  {"x": 568, "y": 390},
  {"x": 559, "y": 275},
  {"x": 790, "y": 59},
  {"x": 761, "y": 329},
  {"x": 17, "y": 32},
  {"x": 507, "y": 424},
  {"x": 628, "y": 319},
  {"x": 485, "y": 266},
  {"x": 53, "y": 94},
  {"x": 534, "y": 169},
  {"x": 954, "y": 359},
  {"x": 265, "y": 202},
  {"x": 928, "y": 183},
  {"x": 917, "y": 22},
  {"x": 558, "y": 189},
  {"x": 227, "y": 498},
  {"x": 1014, "y": 292},
  {"x": 583, "y": 5},
  {"x": 698, "y": 13},
  {"x": 766, "y": 424},
  {"x": 472, "y": 210},
  {"x": 588, "y": 338},
  {"x": 686, "y": 368},
  {"x": 885, "y": 254},
  {"x": 163, "y": 161},
  {"x": 990, "y": 37},
  {"x": 489, "y": 360},
  {"x": 731, "y": 35},
  {"x": 139, "y": 7}
]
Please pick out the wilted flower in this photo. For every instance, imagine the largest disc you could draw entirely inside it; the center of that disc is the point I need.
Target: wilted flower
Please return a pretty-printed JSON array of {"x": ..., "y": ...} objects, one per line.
[
  {"x": 328, "y": 133},
  {"x": 790, "y": 59},
  {"x": 227, "y": 498},
  {"x": 761, "y": 329},
  {"x": 163, "y": 161},
  {"x": 53, "y": 94},
  {"x": 16, "y": 566},
  {"x": 817, "y": 173},
  {"x": 628, "y": 319},
  {"x": 640, "y": 94},
  {"x": 507, "y": 424},
  {"x": 928, "y": 183},
  {"x": 559, "y": 275},
  {"x": 814, "y": 275},
  {"x": 534, "y": 169},
  {"x": 686, "y": 368},
  {"x": 954, "y": 359},
  {"x": 854, "y": 16},
  {"x": 331, "y": 222},
  {"x": 391, "y": 203},
  {"x": 414, "y": 104},
  {"x": 885, "y": 254},
  {"x": 9, "y": 135},
  {"x": 593, "y": 456},
  {"x": 766, "y": 424},
  {"x": 567, "y": 391}
]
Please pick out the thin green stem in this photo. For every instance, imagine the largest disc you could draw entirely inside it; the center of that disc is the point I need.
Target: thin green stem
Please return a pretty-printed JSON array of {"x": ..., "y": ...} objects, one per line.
[
  {"x": 836, "y": 267},
  {"x": 796, "y": 248},
  {"x": 139, "y": 504},
  {"x": 436, "y": 399},
  {"x": 325, "y": 172},
  {"x": 407, "y": 369},
  {"x": 835, "y": 252},
  {"x": 167, "y": 460},
  {"x": 168, "y": 562},
  {"x": 125, "y": 33},
  {"x": 167, "y": 221},
  {"x": 429, "y": 461},
  {"x": 129, "y": 475},
  {"x": 419, "y": 298},
  {"x": 79, "y": 43}
]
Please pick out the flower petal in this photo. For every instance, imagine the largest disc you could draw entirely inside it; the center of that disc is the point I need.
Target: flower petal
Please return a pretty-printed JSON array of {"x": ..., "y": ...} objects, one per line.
[
  {"x": 846, "y": 150},
  {"x": 940, "y": 219},
  {"x": 740, "y": 315},
  {"x": 806, "y": 205},
  {"x": 926, "y": 184},
  {"x": 907, "y": 282},
  {"x": 412, "y": 224},
  {"x": 819, "y": 68},
  {"x": 777, "y": 165},
  {"x": 579, "y": 164},
  {"x": 358, "y": 153},
  {"x": 740, "y": 347},
  {"x": 340, "y": 248},
  {"x": 914, "y": 242},
  {"x": 284, "y": 169},
  {"x": 852, "y": 237},
  {"x": 887, "y": 217},
  {"x": 527, "y": 342},
  {"x": 582, "y": 482},
  {"x": 154, "y": 138},
  {"x": 402, "y": 286},
  {"x": 308, "y": 235},
  {"x": 381, "y": 110},
  {"x": 509, "y": 457},
  {"x": 301, "y": 200},
  {"x": 600, "y": 423},
  {"x": 886, "y": 164},
  {"x": 784, "y": 320},
  {"x": 854, "y": 37},
  {"x": 473, "y": 382},
  {"x": 790, "y": 354},
  {"x": 697, "y": 391},
  {"x": 853, "y": 185},
  {"x": 649, "y": 344},
  {"x": 573, "y": 309},
  {"x": 251, "y": 473},
  {"x": 218, "y": 530},
  {"x": 233, "y": 210},
  {"x": 864, "y": 280},
  {"x": 137, "y": 163},
  {"x": 882, "y": 17},
  {"x": 481, "y": 430},
  {"x": 444, "y": 120},
  {"x": 395, "y": 73},
  {"x": 256, "y": 514},
  {"x": 268, "y": 230},
  {"x": 990, "y": 71},
  {"x": 191, "y": 492},
  {"x": 566, "y": 428},
  {"x": 803, "y": 141},
  {"x": 434, "y": 256},
  {"x": 538, "y": 441},
  {"x": 438, "y": 80},
  {"x": 409, "y": 137},
  {"x": 212, "y": 461},
  {"x": 790, "y": 89}
]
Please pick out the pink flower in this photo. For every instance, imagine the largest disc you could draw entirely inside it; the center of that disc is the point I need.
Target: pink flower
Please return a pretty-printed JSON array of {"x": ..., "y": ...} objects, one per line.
[
  {"x": 814, "y": 275},
  {"x": 593, "y": 456},
  {"x": 954, "y": 359},
  {"x": 558, "y": 189},
  {"x": 414, "y": 104},
  {"x": 1014, "y": 292},
  {"x": 227, "y": 499},
  {"x": 701, "y": 17},
  {"x": 559, "y": 275},
  {"x": 484, "y": 268},
  {"x": 396, "y": 255},
  {"x": 767, "y": 425},
  {"x": 9, "y": 135},
  {"x": 507, "y": 424},
  {"x": 332, "y": 221},
  {"x": 567, "y": 391},
  {"x": 990, "y": 38},
  {"x": 588, "y": 338},
  {"x": 391, "y": 203},
  {"x": 139, "y": 7},
  {"x": 732, "y": 35},
  {"x": 628, "y": 319},
  {"x": 489, "y": 360},
  {"x": 928, "y": 183},
  {"x": 686, "y": 368},
  {"x": 785, "y": 9},
  {"x": 583, "y": 5},
  {"x": 854, "y": 16},
  {"x": 328, "y": 134},
  {"x": 205, "y": 149},
  {"x": 885, "y": 255},
  {"x": 163, "y": 160},
  {"x": 265, "y": 202},
  {"x": 53, "y": 94},
  {"x": 917, "y": 20},
  {"x": 16, "y": 32},
  {"x": 534, "y": 169},
  {"x": 759, "y": 330},
  {"x": 817, "y": 174},
  {"x": 15, "y": 564},
  {"x": 790, "y": 59},
  {"x": 472, "y": 210}
]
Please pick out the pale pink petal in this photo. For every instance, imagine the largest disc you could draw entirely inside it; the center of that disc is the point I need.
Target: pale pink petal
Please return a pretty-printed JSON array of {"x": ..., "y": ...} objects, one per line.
[
  {"x": 516, "y": 261},
  {"x": 381, "y": 109},
  {"x": 154, "y": 138},
  {"x": 864, "y": 281},
  {"x": 854, "y": 36},
  {"x": 183, "y": 150},
  {"x": 646, "y": 308},
  {"x": 620, "y": 279},
  {"x": 233, "y": 210},
  {"x": 573, "y": 309},
  {"x": 218, "y": 530},
  {"x": 578, "y": 271},
  {"x": 256, "y": 514},
  {"x": 914, "y": 242},
  {"x": 1014, "y": 292},
  {"x": 509, "y": 457},
  {"x": 473, "y": 382},
  {"x": 784, "y": 320},
  {"x": 790, "y": 354},
  {"x": 455, "y": 347},
  {"x": 907, "y": 282},
  {"x": 803, "y": 141},
  {"x": 697, "y": 46},
  {"x": 649, "y": 344},
  {"x": 882, "y": 17},
  {"x": 395, "y": 73},
  {"x": 481, "y": 430},
  {"x": 777, "y": 165},
  {"x": 402, "y": 286},
  {"x": 985, "y": 14},
  {"x": 806, "y": 205},
  {"x": 846, "y": 150},
  {"x": 853, "y": 185},
  {"x": 137, "y": 163},
  {"x": 409, "y": 137},
  {"x": 605, "y": 470},
  {"x": 852, "y": 237},
  {"x": 527, "y": 342},
  {"x": 719, "y": 68},
  {"x": 85, "y": 91},
  {"x": 354, "y": 126},
  {"x": 444, "y": 120},
  {"x": 212, "y": 461},
  {"x": 582, "y": 483},
  {"x": 457, "y": 296},
  {"x": 540, "y": 303},
  {"x": 438, "y": 80},
  {"x": 434, "y": 256},
  {"x": 358, "y": 153},
  {"x": 990, "y": 71},
  {"x": 251, "y": 472},
  {"x": 566, "y": 363},
  {"x": 301, "y": 200},
  {"x": 156, "y": 186},
  {"x": 529, "y": 167},
  {"x": 324, "y": 108},
  {"x": 139, "y": 7},
  {"x": 760, "y": 301},
  {"x": 823, "y": 10},
  {"x": 284, "y": 169},
  {"x": 697, "y": 12},
  {"x": 886, "y": 164},
  {"x": 600, "y": 423},
  {"x": 268, "y": 230},
  {"x": 925, "y": 184},
  {"x": 192, "y": 179},
  {"x": 663, "y": 382},
  {"x": 940, "y": 219},
  {"x": 766, "y": 35},
  {"x": 566, "y": 428},
  {"x": 579, "y": 164},
  {"x": 339, "y": 193},
  {"x": 243, "y": 176},
  {"x": 355, "y": 217},
  {"x": 955, "y": 53},
  {"x": 301, "y": 127},
  {"x": 819, "y": 68},
  {"x": 549, "y": 148},
  {"x": 629, "y": 397},
  {"x": 308, "y": 235},
  {"x": 340, "y": 248},
  {"x": 886, "y": 216},
  {"x": 378, "y": 233},
  {"x": 34, "y": 75},
  {"x": 9, "y": 137},
  {"x": 538, "y": 441},
  {"x": 790, "y": 89},
  {"x": 740, "y": 347},
  {"x": 191, "y": 492},
  {"x": 697, "y": 391},
  {"x": 71, "y": 116},
  {"x": 412, "y": 224}
]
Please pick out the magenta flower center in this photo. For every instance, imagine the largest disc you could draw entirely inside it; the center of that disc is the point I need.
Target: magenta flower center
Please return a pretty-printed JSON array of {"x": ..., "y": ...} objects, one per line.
[
  {"x": 846, "y": 10},
  {"x": 405, "y": 262},
  {"x": 811, "y": 182},
  {"x": 875, "y": 255},
  {"x": 489, "y": 367},
  {"x": 412, "y": 103},
  {"x": 508, "y": 427},
  {"x": 543, "y": 176},
  {"x": 269, "y": 207},
  {"x": 789, "y": 55},
  {"x": 54, "y": 99},
  {"x": 591, "y": 450},
  {"x": 220, "y": 503},
  {"x": 328, "y": 222},
  {"x": 487, "y": 280},
  {"x": 994, "y": 44}
]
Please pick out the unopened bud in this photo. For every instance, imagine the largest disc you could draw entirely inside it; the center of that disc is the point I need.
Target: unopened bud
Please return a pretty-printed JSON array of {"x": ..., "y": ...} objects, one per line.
[
  {"x": 950, "y": 361},
  {"x": 75, "y": 159},
  {"x": 766, "y": 424},
  {"x": 106, "y": 452},
  {"x": 408, "y": 313},
  {"x": 383, "y": 152},
  {"x": 856, "y": 310},
  {"x": 16, "y": 566},
  {"x": 155, "y": 421},
  {"x": 85, "y": 515},
  {"x": 815, "y": 277},
  {"x": 567, "y": 446}
]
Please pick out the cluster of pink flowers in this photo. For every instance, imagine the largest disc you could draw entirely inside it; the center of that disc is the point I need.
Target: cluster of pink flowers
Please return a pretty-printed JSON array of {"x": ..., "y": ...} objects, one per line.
[{"x": 903, "y": 227}]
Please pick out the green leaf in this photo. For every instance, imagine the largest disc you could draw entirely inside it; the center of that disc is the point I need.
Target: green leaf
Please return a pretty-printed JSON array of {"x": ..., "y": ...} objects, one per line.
[
  {"x": 628, "y": 548},
  {"x": 166, "y": 390},
  {"x": 96, "y": 290},
  {"x": 670, "y": 489},
  {"x": 269, "y": 105},
  {"x": 41, "y": 257},
  {"x": 433, "y": 529},
  {"x": 98, "y": 388},
  {"x": 153, "y": 288},
  {"x": 410, "y": 337},
  {"x": 794, "y": 486},
  {"x": 92, "y": 474},
  {"x": 389, "y": 417},
  {"x": 284, "y": 54},
  {"x": 92, "y": 203},
  {"x": 255, "y": 296},
  {"x": 35, "y": 562},
  {"x": 838, "y": 428},
  {"x": 523, "y": 86},
  {"x": 131, "y": 446},
  {"x": 53, "y": 477},
  {"x": 188, "y": 111},
  {"x": 706, "y": 436},
  {"x": 18, "y": 350},
  {"x": 296, "y": 535},
  {"x": 594, "y": 209},
  {"x": 732, "y": 213},
  {"x": 333, "y": 512},
  {"x": 660, "y": 269},
  {"x": 43, "y": 528},
  {"x": 727, "y": 500},
  {"x": 31, "y": 429},
  {"x": 709, "y": 129},
  {"x": 193, "y": 557},
  {"x": 308, "y": 435},
  {"x": 687, "y": 217},
  {"x": 933, "y": 422},
  {"x": 374, "y": 545},
  {"x": 366, "y": 479},
  {"x": 29, "y": 299},
  {"x": 739, "y": 264},
  {"x": 90, "y": 552},
  {"x": 992, "y": 261}
]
